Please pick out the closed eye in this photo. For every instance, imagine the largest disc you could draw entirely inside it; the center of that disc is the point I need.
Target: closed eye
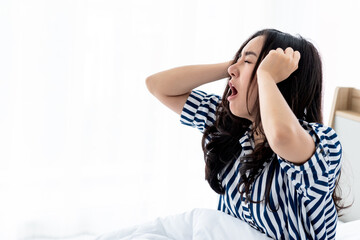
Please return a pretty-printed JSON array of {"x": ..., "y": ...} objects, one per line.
[{"x": 244, "y": 61}]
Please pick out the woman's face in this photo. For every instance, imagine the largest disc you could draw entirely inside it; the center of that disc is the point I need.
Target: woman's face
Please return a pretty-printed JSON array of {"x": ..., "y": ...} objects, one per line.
[{"x": 240, "y": 73}]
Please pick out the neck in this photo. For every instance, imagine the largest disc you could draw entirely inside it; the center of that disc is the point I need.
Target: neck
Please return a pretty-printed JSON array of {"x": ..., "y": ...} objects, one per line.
[{"x": 257, "y": 136}]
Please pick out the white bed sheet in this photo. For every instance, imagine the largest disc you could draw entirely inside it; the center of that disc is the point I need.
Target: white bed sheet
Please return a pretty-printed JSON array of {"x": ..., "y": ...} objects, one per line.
[
  {"x": 348, "y": 230},
  {"x": 198, "y": 224},
  {"x": 207, "y": 224}
]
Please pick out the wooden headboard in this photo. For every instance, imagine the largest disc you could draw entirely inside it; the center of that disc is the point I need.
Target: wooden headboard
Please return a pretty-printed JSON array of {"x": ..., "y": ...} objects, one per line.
[{"x": 345, "y": 120}]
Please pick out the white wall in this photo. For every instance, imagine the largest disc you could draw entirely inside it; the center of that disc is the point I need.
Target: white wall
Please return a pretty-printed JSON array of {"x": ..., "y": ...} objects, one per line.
[{"x": 83, "y": 146}]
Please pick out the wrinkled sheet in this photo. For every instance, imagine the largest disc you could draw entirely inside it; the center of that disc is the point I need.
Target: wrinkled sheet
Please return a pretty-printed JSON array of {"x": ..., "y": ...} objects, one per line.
[
  {"x": 208, "y": 224},
  {"x": 197, "y": 224}
]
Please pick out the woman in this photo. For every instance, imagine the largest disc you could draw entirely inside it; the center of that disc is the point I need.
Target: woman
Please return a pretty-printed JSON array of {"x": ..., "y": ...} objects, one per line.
[{"x": 267, "y": 153}]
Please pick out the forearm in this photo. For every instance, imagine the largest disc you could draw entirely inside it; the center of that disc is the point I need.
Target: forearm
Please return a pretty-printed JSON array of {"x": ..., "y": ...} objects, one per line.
[
  {"x": 277, "y": 118},
  {"x": 181, "y": 80}
]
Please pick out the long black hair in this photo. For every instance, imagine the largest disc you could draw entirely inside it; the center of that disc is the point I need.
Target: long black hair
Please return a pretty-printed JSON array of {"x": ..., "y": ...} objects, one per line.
[{"x": 302, "y": 90}]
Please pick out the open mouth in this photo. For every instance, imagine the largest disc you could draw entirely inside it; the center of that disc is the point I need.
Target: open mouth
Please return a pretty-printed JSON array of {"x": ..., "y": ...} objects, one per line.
[{"x": 232, "y": 89}]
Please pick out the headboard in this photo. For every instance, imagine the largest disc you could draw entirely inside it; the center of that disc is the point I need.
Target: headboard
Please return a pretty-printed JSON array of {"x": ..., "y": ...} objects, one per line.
[{"x": 345, "y": 120}]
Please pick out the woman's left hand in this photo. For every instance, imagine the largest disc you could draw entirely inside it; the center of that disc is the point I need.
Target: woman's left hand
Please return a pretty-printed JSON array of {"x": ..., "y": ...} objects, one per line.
[{"x": 279, "y": 64}]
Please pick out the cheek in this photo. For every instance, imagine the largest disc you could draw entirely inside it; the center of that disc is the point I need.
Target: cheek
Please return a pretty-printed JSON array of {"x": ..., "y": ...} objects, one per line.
[
  {"x": 244, "y": 87},
  {"x": 254, "y": 95}
]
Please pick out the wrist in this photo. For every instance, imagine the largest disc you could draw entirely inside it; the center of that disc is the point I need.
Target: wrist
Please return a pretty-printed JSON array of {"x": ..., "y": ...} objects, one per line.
[
  {"x": 225, "y": 66},
  {"x": 264, "y": 76}
]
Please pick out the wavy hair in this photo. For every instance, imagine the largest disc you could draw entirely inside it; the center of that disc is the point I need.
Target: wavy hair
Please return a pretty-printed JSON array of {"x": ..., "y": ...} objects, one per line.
[{"x": 302, "y": 90}]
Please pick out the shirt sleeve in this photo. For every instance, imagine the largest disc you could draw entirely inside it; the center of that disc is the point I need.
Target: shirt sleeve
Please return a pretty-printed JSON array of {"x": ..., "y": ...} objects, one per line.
[
  {"x": 318, "y": 174},
  {"x": 199, "y": 110}
]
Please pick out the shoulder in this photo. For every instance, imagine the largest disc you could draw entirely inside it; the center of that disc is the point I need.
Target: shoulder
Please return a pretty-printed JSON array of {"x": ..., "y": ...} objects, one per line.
[
  {"x": 198, "y": 97},
  {"x": 326, "y": 159},
  {"x": 323, "y": 135},
  {"x": 200, "y": 109},
  {"x": 322, "y": 168}
]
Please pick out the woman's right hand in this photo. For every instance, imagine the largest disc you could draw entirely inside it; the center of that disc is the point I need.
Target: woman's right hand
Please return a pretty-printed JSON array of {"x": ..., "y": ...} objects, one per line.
[{"x": 279, "y": 64}]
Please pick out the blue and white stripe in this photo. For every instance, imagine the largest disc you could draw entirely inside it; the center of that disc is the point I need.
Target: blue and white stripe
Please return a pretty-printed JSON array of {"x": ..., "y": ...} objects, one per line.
[
  {"x": 200, "y": 110},
  {"x": 300, "y": 193}
]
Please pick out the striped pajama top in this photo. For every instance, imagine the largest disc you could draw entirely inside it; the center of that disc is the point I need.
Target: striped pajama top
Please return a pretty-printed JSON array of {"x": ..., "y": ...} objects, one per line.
[{"x": 300, "y": 193}]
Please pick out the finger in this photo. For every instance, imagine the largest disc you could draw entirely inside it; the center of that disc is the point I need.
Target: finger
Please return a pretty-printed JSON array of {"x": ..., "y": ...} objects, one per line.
[
  {"x": 297, "y": 56},
  {"x": 272, "y": 51},
  {"x": 289, "y": 51},
  {"x": 280, "y": 50}
]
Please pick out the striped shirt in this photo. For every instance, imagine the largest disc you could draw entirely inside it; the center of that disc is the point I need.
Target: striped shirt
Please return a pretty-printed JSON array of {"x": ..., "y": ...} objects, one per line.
[{"x": 300, "y": 193}]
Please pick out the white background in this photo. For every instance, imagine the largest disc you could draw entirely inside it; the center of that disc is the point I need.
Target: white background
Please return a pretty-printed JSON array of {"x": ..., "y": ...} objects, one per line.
[{"x": 84, "y": 147}]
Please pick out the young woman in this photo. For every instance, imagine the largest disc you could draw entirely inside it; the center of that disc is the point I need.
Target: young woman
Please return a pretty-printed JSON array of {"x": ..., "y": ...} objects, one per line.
[{"x": 267, "y": 152}]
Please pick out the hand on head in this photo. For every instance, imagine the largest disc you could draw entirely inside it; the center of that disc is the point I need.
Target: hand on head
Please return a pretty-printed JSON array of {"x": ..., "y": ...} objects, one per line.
[{"x": 279, "y": 64}]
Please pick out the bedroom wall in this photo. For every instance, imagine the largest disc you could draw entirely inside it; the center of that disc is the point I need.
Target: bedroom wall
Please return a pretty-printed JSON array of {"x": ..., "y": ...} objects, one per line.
[{"x": 83, "y": 146}]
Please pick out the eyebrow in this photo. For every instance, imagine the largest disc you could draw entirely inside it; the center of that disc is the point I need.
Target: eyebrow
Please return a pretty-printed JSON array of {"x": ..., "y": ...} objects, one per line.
[{"x": 248, "y": 53}]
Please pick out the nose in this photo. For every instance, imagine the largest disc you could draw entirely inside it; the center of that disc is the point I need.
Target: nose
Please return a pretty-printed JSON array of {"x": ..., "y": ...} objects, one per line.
[{"x": 233, "y": 71}]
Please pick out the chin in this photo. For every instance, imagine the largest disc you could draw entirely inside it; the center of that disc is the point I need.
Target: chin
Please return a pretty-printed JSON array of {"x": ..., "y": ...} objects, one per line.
[
  {"x": 235, "y": 112},
  {"x": 240, "y": 114}
]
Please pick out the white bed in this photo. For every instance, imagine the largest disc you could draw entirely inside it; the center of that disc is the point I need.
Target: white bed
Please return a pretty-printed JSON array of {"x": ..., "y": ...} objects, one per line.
[
  {"x": 197, "y": 224},
  {"x": 207, "y": 224},
  {"x": 201, "y": 224}
]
